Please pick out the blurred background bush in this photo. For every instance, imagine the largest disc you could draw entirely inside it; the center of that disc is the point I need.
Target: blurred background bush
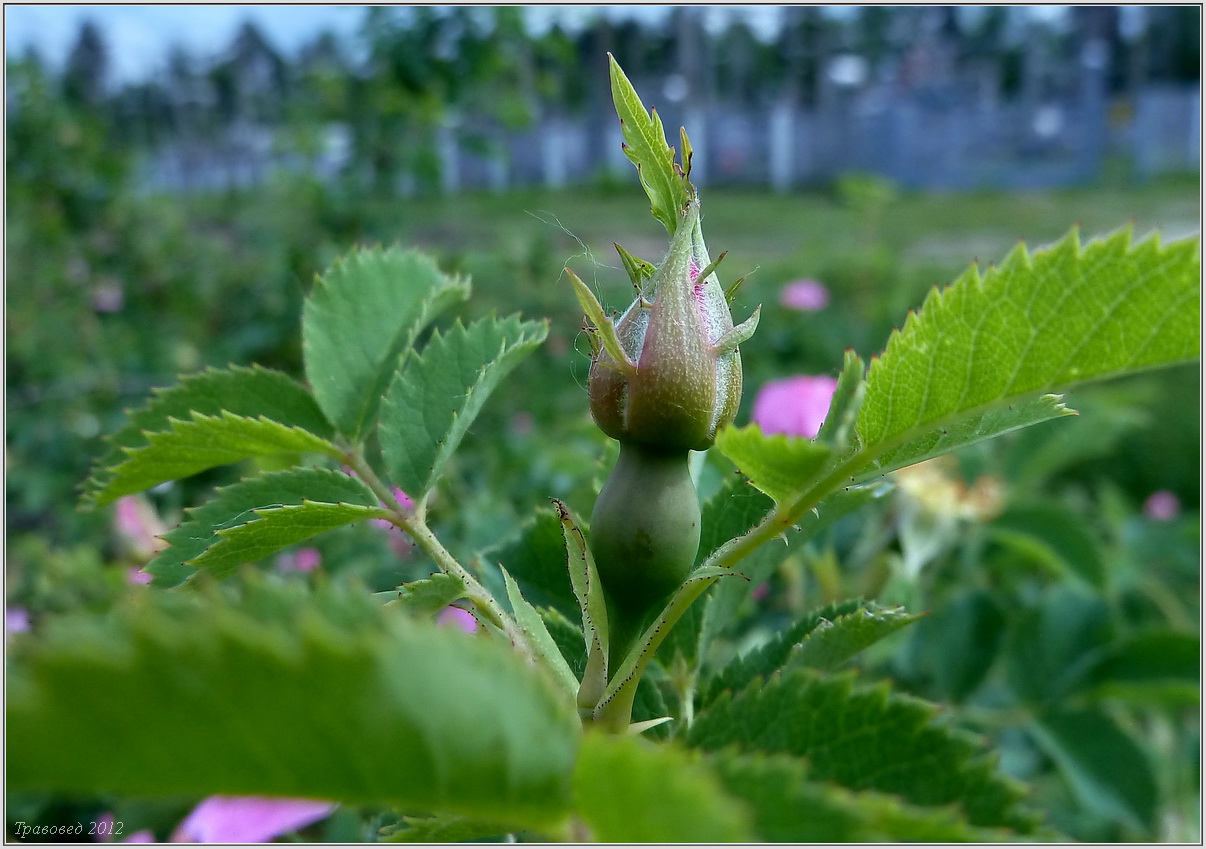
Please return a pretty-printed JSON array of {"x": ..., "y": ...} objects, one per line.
[{"x": 849, "y": 161}]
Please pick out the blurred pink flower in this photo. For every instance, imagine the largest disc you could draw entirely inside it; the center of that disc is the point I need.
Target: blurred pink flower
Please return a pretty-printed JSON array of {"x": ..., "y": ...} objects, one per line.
[
  {"x": 1162, "y": 506},
  {"x": 457, "y": 618},
  {"x": 138, "y": 528},
  {"x": 248, "y": 819},
  {"x": 301, "y": 560},
  {"x": 16, "y": 620},
  {"x": 106, "y": 822},
  {"x": 796, "y": 406},
  {"x": 806, "y": 295},
  {"x": 398, "y": 540},
  {"x": 134, "y": 575}
]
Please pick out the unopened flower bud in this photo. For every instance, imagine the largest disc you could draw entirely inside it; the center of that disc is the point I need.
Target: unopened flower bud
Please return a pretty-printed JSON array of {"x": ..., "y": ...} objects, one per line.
[{"x": 668, "y": 374}]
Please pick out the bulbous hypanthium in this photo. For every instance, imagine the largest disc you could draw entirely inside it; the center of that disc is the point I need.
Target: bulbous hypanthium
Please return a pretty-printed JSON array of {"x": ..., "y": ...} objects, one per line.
[{"x": 665, "y": 378}]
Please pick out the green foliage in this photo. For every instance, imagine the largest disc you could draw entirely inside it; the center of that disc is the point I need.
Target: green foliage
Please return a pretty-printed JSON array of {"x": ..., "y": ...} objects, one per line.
[
  {"x": 1107, "y": 771},
  {"x": 234, "y": 506},
  {"x": 287, "y": 694},
  {"x": 430, "y": 595},
  {"x": 203, "y": 442},
  {"x": 822, "y": 640},
  {"x": 627, "y": 790},
  {"x": 645, "y": 144},
  {"x": 863, "y": 737},
  {"x": 434, "y": 399},
  {"x": 360, "y": 322},
  {"x": 781, "y": 466},
  {"x": 789, "y": 808},
  {"x": 974, "y": 360},
  {"x": 273, "y": 528},
  {"x": 236, "y": 405},
  {"x": 530, "y": 621},
  {"x": 536, "y": 558}
]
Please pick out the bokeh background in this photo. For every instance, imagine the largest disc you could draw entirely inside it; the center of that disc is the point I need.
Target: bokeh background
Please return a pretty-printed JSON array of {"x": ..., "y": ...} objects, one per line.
[{"x": 176, "y": 176}]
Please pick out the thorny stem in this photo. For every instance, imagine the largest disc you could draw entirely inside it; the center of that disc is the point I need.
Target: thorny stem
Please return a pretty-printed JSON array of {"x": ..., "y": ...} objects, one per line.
[{"x": 416, "y": 525}]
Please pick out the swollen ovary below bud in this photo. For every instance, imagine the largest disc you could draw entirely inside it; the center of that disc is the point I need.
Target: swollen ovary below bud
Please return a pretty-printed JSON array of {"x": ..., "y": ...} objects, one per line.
[{"x": 644, "y": 535}]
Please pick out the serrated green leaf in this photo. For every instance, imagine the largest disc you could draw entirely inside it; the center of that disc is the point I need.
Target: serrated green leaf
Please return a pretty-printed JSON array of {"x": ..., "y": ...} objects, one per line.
[
  {"x": 203, "y": 442},
  {"x": 535, "y": 556},
  {"x": 974, "y": 361},
  {"x": 539, "y": 639},
  {"x": 628, "y": 790},
  {"x": 646, "y": 145},
  {"x": 432, "y": 402},
  {"x": 838, "y": 428},
  {"x": 781, "y": 466},
  {"x": 274, "y": 528},
  {"x": 837, "y": 640},
  {"x": 863, "y": 737},
  {"x": 788, "y": 808},
  {"x": 234, "y": 505},
  {"x": 292, "y": 694},
  {"x": 430, "y": 595},
  {"x": 823, "y": 640},
  {"x": 1106, "y": 769},
  {"x": 359, "y": 322},
  {"x": 251, "y": 393}
]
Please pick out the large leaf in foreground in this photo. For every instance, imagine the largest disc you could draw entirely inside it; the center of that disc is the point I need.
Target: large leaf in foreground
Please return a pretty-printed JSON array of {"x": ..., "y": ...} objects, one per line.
[
  {"x": 361, "y": 318},
  {"x": 433, "y": 401},
  {"x": 248, "y": 392},
  {"x": 234, "y": 505},
  {"x": 287, "y": 694},
  {"x": 976, "y": 359},
  {"x": 863, "y": 737},
  {"x": 628, "y": 790}
]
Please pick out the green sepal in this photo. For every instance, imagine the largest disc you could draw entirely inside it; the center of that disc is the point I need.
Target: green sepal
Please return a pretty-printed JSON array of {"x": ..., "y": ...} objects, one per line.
[
  {"x": 603, "y": 326},
  {"x": 728, "y": 342},
  {"x": 588, "y": 589},
  {"x": 638, "y": 269}
]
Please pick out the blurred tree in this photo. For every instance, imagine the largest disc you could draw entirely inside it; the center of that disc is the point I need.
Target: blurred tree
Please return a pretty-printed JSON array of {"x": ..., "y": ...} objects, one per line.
[{"x": 86, "y": 72}]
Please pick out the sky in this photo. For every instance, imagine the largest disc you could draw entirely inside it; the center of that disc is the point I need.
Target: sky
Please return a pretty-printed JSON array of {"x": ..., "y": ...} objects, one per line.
[{"x": 138, "y": 36}]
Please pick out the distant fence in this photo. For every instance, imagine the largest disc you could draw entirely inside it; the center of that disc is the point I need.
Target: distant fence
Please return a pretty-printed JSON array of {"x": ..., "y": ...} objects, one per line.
[{"x": 925, "y": 142}]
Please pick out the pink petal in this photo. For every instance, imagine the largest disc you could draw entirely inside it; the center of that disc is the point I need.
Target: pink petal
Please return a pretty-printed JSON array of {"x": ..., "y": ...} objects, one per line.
[
  {"x": 795, "y": 406},
  {"x": 1162, "y": 506},
  {"x": 16, "y": 620},
  {"x": 248, "y": 819},
  {"x": 807, "y": 295},
  {"x": 144, "y": 836},
  {"x": 457, "y": 618}
]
